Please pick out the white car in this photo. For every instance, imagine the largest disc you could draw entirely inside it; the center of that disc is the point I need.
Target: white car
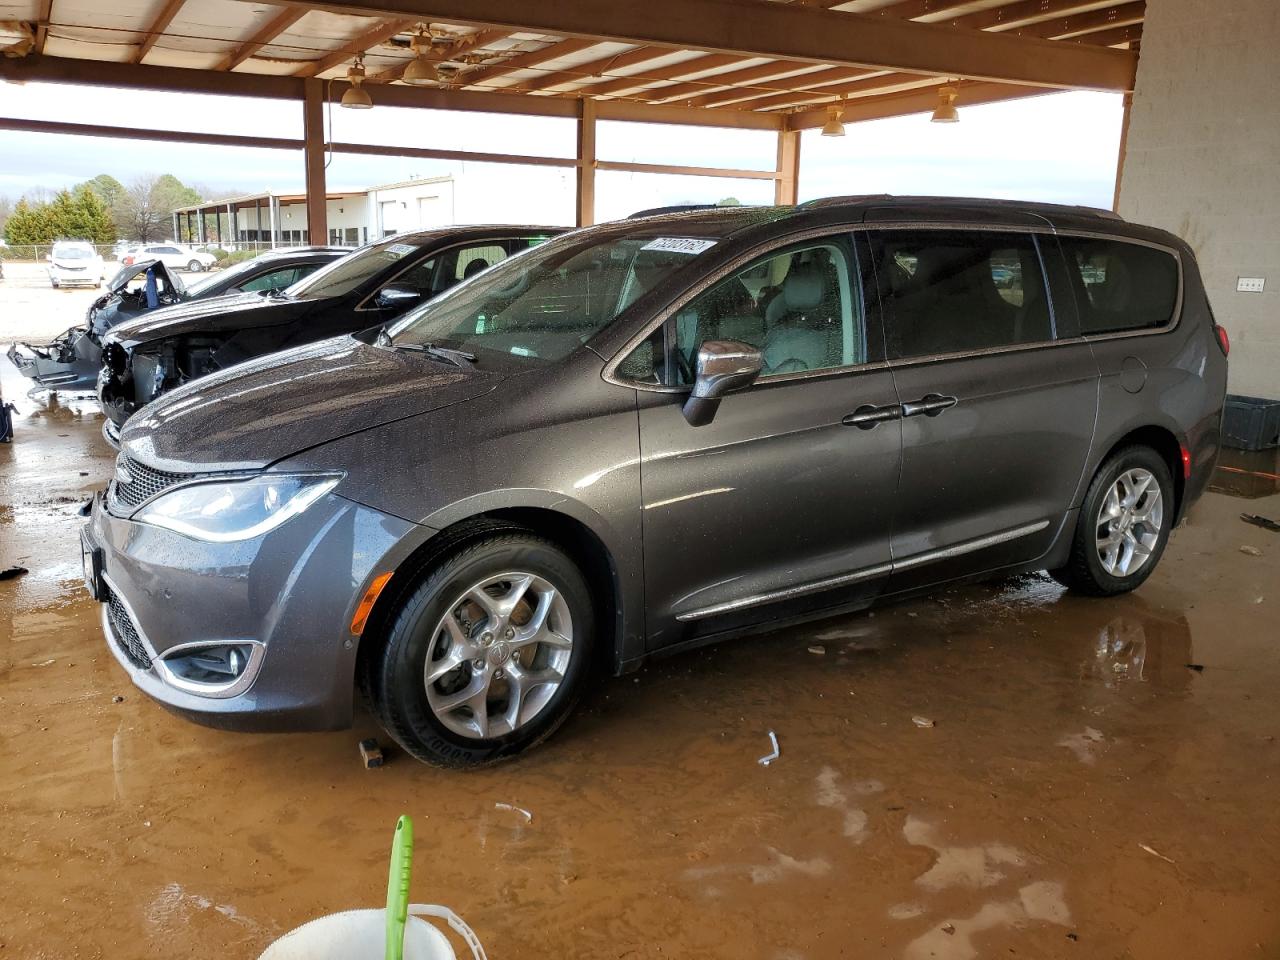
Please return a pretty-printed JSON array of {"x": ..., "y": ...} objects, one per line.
[
  {"x": 172, "y": 255},
  {"x": 75, "y": 262}
]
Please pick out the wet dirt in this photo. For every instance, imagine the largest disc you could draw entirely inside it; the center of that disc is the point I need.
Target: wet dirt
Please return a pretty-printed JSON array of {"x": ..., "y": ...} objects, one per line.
[{"x": 1082, "y": 792}]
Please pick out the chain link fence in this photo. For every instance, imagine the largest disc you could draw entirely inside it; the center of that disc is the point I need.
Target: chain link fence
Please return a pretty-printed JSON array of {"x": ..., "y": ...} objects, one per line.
[{"x": 39, "y": 252}]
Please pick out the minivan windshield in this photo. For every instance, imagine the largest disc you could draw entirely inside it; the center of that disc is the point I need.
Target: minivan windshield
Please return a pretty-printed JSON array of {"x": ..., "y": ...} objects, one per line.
[
  {"x": 542, "y": 304},
  {"x": 342, "y": 276}
]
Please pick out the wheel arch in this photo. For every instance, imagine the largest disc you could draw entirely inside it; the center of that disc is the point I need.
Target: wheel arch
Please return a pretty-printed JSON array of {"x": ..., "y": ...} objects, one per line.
[
  {"x": 1165, "y": 442},
  {"x": 615, "y": 610}
]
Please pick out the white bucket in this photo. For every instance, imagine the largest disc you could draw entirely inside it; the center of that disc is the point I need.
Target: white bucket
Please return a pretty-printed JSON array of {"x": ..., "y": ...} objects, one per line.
[{"x": 361, "y": 935}]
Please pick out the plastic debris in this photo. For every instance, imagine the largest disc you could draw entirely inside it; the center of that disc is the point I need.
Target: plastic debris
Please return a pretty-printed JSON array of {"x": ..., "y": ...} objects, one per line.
[
  {"x": 371, "y": 753},
  {"x": 1197, "y": 667},
  {"x": 1250, "y": 551},
  {"x": 923, "y": 722},
  {"x": 777, "y": 751},
  {"x": 117, "y": 699},
  {"x": 948, "y": 928},
  {"x": 818, "y": 649},
  {"x": 11, "y": 572},
  {"x": 1155, "y": 853},
  {"x": 528, "y": 817},
  {"x": 1266, "y": 523}
]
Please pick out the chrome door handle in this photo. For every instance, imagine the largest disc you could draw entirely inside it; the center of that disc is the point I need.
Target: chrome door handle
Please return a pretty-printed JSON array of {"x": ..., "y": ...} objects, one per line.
[
  {"x": 930, "y": 405},
  {"x": 867, "y": 416}
]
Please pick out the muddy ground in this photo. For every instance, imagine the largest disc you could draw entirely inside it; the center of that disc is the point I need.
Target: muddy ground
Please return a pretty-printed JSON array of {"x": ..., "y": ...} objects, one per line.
[{"x": 1084, "y": 792}]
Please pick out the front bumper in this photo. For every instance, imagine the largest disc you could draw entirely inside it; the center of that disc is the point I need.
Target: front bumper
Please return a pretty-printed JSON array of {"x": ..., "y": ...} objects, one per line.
[
  {"x": 289, "y": 596},
  {"x": 86, "y": 278},
  {"x": 62, "y": 364}
]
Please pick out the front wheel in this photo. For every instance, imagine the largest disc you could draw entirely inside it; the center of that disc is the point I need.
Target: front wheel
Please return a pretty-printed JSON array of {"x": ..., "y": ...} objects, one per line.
[
  {"x": 488, "y": 655},
  {"x": 1123, "y": 526},
  {"x": 195, "y": 266}
]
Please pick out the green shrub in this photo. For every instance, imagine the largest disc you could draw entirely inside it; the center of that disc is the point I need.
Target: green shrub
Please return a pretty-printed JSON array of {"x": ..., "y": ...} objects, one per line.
[{"x": 230, "y": 259}]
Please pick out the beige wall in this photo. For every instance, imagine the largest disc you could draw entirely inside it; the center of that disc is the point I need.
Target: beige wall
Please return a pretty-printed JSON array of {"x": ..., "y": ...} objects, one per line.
[{"x": 1203, "y": 161}]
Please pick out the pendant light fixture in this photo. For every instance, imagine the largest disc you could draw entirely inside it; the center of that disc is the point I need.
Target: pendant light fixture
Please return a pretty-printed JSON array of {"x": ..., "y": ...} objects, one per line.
[
  {"x": 356, "y": 97},
  {"x": 834, "y": 127},
  {"x": 420, "y": 71},
  {"x": 945, "y": 111}
]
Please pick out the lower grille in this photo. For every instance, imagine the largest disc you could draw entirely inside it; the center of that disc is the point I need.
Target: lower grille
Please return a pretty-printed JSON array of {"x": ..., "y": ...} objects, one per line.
[{"x": 125, "y": 634}]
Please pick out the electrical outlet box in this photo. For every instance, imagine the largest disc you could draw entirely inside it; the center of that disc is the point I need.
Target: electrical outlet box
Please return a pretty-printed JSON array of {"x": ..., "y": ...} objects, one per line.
[{"x": 1250, "y": 284}]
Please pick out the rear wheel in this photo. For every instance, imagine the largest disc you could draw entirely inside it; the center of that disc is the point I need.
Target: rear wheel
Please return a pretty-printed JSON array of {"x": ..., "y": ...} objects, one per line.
[
  {"x": 488, "y": 655},
  {"x": 1123, "y": 525}
]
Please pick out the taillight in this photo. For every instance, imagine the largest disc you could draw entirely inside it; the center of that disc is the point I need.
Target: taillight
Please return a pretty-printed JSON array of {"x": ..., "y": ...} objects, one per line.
[{"x": 1223, "y": 340}]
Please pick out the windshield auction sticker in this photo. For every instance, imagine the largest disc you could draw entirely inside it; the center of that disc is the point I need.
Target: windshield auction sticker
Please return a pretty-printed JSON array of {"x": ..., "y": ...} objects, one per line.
[
  {"x": 401, "y": 249},
  {"x": 679, "y": 245}
]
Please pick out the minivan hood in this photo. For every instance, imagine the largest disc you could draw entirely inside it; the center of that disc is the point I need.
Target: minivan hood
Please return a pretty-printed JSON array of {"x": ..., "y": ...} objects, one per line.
[
  {"x": 232, "y": 312},
  {"x": 256, "y": 413},
  {"x": 127, "y": 273}
]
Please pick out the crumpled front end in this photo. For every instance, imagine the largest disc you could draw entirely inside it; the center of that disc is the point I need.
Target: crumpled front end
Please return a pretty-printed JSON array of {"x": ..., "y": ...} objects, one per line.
[
  {"x": 130, "y": 379},
  {"x": 70, "y": 362}
]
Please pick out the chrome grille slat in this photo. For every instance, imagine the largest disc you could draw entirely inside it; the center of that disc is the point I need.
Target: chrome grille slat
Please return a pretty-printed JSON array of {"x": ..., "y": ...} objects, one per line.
[
  {"x": 144, "y": 482},
  {"x": 125, "y": 634}
]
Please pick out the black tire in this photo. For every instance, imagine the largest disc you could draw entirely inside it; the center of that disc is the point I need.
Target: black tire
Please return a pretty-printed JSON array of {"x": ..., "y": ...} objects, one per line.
[
  {"x": 1084, "y": 572},
  {"x": 195, "y": 266},
  {"x": 395, "y": 671}
]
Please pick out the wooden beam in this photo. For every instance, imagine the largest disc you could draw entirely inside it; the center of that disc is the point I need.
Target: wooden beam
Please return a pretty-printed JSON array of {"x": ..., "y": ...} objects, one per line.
[
  {"x": 44, "y": 13},
  {"x": 431, "y": 153},
  {"x": 585, "y": 196},
  {"x": 1109, "y": 38},
  {"x": 595, "y": 69},
  {"x": 810, "y": 87},
  {"x": 669, "y": 168},
  {"x": 779, "y": 31},
  {"x": 865, "y": 87},
  {"x": 157, "y": 28},
  {"x": 129, "y": 132},
  {"x": 1124, "y": 149},
  {"x": 313, "y": 159},
  {"x": 674, "y": 71},
  {"x": 277, "y": 25},
  {"x": 367, "y": 40},
  {"x": 1010, "y": 16},
  {"x": 1083, "y": 24},
  {"x": 551, "y": 52},
  {"x": 739, "y": 84},
  {"x": 912, "y": 101},
  {"x": 667, "y": 113},
  {"x": 786, "y": 189}
]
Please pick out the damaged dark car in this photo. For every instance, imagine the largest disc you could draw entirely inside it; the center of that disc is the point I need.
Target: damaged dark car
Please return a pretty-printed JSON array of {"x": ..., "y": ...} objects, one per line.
[
  {"x": 71, "y": 361},
  {"x": 152, "y": 355}
]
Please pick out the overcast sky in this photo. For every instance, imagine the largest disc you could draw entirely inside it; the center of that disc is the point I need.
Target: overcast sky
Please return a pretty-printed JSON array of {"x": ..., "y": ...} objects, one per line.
[{"x": 1058, "y": 147}]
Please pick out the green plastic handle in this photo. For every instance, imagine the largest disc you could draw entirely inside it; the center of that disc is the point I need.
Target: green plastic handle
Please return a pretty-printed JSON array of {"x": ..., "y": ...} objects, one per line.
[{"x": 398, "y": 887}]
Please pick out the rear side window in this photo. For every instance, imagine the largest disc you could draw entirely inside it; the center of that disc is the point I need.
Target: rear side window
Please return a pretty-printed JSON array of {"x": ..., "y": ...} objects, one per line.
[
  {"x": 1121, "y": 286},
  {"x": 957, "y": 291},
  {"x": 275, "y": 280}
]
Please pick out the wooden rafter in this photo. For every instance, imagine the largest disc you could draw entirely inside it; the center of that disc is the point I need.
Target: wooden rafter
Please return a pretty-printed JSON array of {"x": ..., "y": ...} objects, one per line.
[
  {"x": 810, "y": 85},
  {"x": 523, "y": 61},
  {"x": 1110, "y": 38},
  {"x": 361, "y": 44},
  {"x": 43, "y": 15},
  {"x": 269, "y": 31},
  {"x": 1084, "y": 24},
  {"x": 1011, "y": 16},
  {"x": 157, "y": 28},
  {"x": 596, "y": 69},
  {"x": 674, "y": 71},
  {"x": 780, "y": 31},
  {"x": 742, "y": 83}
]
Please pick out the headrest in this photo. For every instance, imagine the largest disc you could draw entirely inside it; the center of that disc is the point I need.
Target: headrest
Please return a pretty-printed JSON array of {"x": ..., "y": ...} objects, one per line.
[
  {"x": 474, "y": 266},
  {"x": 802, "y": 290}
]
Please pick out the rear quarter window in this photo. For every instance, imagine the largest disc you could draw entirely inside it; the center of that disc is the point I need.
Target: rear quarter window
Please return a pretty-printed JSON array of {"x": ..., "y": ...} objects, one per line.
[{"x": 1121, "y": 286}]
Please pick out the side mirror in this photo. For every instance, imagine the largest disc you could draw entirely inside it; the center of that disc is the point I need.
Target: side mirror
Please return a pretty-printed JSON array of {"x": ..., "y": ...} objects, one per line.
[
  {"x": 724, "y": 367},
  {"x": 398, "y": 297}
]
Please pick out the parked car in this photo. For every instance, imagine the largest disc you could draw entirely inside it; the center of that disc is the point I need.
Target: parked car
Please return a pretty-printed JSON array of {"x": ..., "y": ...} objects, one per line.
[
  {"x": 72, "y": 360},
  {"x": 649, "y": 435},
  {"x": 173, "y": 255},
  {"x": 145, "y": 358},
  {"x": 75, "y": 263}
]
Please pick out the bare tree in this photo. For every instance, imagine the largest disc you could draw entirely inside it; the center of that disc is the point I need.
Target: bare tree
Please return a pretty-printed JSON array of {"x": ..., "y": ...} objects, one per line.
[{"x": 145, "y": 211}]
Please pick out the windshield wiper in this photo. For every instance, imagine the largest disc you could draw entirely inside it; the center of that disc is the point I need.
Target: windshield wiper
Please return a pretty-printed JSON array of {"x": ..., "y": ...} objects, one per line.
[{"x": 459, "y": 358}]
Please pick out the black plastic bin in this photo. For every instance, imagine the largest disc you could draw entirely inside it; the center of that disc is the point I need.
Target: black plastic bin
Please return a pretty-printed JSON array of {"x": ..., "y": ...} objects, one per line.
[{"x": 1251, "y": 423}]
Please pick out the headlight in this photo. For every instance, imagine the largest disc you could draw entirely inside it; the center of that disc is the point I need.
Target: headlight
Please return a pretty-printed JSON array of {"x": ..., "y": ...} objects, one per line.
[{"x": 224, "y": 512}]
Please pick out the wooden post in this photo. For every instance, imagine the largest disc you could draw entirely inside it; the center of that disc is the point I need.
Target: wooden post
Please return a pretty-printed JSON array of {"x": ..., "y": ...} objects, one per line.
[
  {"x": 313, "y": 152},
  {"x": 1124, "y": 146},
  {"x": 786, "y": 189},
  {"x": 586, "y": 206}
]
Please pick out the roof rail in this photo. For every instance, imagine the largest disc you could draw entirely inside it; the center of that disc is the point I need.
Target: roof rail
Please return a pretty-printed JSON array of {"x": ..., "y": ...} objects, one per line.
[{"x": 1031, "y": 206}]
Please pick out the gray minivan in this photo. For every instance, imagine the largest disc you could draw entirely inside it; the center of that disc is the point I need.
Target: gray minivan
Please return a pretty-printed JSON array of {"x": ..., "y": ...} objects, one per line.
[{"x": 649, "y": 435}]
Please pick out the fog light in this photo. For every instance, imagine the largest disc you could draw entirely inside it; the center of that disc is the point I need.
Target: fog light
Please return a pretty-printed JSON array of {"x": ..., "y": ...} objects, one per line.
[{"x": 212, "y": 669}]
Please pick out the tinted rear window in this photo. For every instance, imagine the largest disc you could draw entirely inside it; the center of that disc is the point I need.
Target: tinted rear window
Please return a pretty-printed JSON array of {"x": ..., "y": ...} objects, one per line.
[
  {"x": 1121, "y": 286},
  {"x": 956, "y": 291}
]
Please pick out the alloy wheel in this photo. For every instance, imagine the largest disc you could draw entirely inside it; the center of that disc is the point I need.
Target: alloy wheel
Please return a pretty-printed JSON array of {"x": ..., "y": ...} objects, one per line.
[
  {"x": 1129, "y": 522},
  {"x": 498, "y": 655}
]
